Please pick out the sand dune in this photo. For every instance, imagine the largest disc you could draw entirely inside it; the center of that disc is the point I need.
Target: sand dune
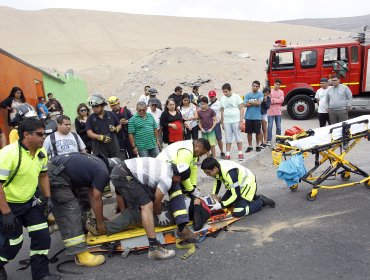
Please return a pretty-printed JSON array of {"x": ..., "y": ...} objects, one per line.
[{"x": 118, "y": 53}]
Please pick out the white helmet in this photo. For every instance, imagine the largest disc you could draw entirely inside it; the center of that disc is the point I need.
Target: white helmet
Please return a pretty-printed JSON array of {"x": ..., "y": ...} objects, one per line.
[
  {"x": 23, "y": 111},
  {"x": 96, "y": 99}
]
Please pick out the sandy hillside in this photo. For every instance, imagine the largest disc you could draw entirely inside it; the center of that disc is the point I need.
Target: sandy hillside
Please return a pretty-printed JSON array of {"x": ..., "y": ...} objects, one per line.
[{"x": 118, "y": 53}]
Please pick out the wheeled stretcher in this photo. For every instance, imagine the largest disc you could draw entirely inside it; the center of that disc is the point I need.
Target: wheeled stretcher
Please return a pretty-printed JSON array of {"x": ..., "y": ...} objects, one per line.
[{"x": 329, "y": 145}]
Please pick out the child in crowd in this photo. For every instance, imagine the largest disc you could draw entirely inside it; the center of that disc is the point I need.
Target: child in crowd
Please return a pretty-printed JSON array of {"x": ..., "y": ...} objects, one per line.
[
  {"x": 265, "y": 105},
  {"x": 207, "y": 122}
]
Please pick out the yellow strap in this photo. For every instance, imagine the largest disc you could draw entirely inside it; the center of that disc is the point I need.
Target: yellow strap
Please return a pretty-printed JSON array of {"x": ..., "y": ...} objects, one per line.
[{"x": 189, "y": 246}]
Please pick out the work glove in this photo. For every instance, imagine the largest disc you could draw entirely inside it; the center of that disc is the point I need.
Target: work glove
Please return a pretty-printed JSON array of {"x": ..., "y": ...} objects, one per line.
[
  {"x": 112, "y": 128},
  {"x": 163, "y": 220},
  {"x": 196, "y": 193},
  {"x": 104, "y": 138},
  {"x": 216, "y": 206},
  {"x": 10, "y": 222},
  {"x": 49, "y": 205}
]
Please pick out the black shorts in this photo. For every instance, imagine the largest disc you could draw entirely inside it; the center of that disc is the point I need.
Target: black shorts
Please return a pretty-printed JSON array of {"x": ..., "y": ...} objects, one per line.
[
  {"x": 253, "y": 126},
  {"x": 133, "y": 192}
]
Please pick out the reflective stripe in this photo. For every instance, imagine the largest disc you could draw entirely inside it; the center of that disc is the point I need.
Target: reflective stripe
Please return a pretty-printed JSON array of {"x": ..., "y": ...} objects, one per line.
[
  {"x": 4, "y": 172},
  {"x": 44, "y": 167},
  {"x": 238, "y": 210},
  {"x": 37, "y": 227},
  {"x": 176, "y": 193},
  {"x": 74, "y": 240},
  {"x": 16, "y": 241},
  {"x": 3, "y": 259},
  {"x": 39, "y": 252},
  {"x": 180, "y": 212}
]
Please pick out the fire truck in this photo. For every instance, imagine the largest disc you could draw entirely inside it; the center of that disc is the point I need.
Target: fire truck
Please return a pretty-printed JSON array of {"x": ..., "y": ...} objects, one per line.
[{"x": 300, "y": 69}]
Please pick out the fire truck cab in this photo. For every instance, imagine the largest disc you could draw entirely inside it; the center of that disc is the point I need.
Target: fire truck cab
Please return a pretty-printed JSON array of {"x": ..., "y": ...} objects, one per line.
[{"x": 300, "y": 69}]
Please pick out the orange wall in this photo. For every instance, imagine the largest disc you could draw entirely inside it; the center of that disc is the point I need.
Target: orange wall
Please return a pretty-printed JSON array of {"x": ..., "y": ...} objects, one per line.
[{"x": 14, "y": 73}]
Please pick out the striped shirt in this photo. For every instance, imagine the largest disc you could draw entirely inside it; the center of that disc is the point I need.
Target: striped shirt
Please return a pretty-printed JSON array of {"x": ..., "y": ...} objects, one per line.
[
  {"x": 151, "y": 172},
  {"x": 143, "y": 131}
]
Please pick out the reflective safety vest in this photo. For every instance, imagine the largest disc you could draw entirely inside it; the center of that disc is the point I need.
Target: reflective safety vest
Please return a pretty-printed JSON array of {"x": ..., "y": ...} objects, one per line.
[
  {"x": 182, "y": 152},
  {"x": 246, "y": 180}
]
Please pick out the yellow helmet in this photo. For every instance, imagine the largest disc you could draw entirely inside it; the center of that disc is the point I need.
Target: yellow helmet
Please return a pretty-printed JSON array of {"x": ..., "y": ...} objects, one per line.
[{"x": 113, "y": 100}]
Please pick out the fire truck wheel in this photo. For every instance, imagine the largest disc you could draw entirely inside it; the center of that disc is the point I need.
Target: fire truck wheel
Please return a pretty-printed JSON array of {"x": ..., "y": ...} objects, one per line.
[{"x": 300, "y": 107}]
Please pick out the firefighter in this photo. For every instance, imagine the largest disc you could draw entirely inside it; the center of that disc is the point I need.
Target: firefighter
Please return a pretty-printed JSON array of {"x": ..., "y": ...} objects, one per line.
[
  {"x": 23, "y": 165},
  {"x": 240, "y": 184},
  {"x": 66, "y": 183},
  {"x": 188, "y": 152}
]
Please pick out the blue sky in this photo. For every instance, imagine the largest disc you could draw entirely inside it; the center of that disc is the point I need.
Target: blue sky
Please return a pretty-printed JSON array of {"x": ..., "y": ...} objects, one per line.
[{"x": 261, "y": 10}]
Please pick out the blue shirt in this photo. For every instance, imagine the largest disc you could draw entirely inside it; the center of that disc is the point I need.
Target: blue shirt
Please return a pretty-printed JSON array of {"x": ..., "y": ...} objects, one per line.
[
  {"x": 253, "y": 112},
  {"x": 39, "y": 113}
]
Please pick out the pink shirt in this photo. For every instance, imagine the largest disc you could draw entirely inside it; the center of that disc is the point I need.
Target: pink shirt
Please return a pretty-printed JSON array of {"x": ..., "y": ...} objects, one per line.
[{"x": 277, "y": 99}]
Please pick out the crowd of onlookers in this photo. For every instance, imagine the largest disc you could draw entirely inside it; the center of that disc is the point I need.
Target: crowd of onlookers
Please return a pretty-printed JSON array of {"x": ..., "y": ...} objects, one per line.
[{"x": 120, "y": 132}]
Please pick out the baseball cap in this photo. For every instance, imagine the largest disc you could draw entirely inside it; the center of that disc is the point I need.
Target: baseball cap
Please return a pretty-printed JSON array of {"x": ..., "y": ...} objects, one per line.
[
  {"x": 152, "y": 91},
  {"x": 182, "y": 170},
  {"x": 324, "y": 80},
  {"x": 154, "y": 101},
  {"x": 212, "y": 93}
]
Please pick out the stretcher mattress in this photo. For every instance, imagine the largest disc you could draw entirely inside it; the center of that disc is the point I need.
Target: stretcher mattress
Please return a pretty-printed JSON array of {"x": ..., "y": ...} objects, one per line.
[{"x": 322, "y": 135}]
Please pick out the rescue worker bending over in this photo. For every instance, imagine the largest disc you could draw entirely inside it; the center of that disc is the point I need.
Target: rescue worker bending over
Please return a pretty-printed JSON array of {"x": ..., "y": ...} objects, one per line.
[
  {"x": 143, "y": 182},
  {"x": 187, "y": 152},
  {"x": 68, "y": 175},
  {"x": 240, "y": 184},
  {"x": 23, "y": 165}
]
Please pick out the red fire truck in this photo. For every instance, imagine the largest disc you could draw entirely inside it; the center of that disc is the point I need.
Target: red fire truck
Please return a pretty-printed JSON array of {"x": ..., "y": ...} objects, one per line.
[{"x": 301, "y": 67}]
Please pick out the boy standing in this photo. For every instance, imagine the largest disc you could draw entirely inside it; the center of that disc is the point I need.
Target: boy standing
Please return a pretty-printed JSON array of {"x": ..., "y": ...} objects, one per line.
[
  {"x": 320, "y": 97},
  {"x": 274, "y": 112},
  {"x": 232, "y": 119},
  {"x": 207, "y": 122},
  {"x": 252, "y": 101}
]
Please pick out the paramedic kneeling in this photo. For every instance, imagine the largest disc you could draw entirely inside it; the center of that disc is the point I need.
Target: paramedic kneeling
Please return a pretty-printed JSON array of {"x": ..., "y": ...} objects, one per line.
[
  {"x": 241, "y": 187},
  {"x": 143, "y": 182}
]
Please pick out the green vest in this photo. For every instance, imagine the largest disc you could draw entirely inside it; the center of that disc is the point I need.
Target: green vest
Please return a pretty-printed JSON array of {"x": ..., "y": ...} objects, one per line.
[{"x": 246, "y": 179}]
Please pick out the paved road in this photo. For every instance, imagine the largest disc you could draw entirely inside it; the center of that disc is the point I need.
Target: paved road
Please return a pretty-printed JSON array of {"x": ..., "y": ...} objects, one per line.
[{"x": 324, "y": 239}]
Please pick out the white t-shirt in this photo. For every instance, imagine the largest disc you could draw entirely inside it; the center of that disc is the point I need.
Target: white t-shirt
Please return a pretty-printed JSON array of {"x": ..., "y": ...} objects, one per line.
[
  {"x": 65, "y": 144},
  {"x": 321, "y": 95},
  {"x": 189, "y": 113},
  {"x": 231, "y": 108},
  {"x": 144, "y": 98},
  {"x": 156, "y": 115},
  {"x": 216, "y": 106}
]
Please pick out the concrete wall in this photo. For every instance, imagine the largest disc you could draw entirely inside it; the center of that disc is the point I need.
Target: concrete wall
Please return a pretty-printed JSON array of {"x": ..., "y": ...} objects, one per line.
[{"x": 70, "y": 93}]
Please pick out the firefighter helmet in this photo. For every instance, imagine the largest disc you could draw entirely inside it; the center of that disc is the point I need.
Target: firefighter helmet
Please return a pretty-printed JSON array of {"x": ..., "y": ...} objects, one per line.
[
  {"x": 96, "y": 100},
  {"x": 113, "y": 100}
]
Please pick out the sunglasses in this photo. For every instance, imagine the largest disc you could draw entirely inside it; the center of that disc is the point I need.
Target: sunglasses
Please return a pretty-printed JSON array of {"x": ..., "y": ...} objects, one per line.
[
  {"x": 38, "y": 133},
  {"x": 83, "y": 110}
]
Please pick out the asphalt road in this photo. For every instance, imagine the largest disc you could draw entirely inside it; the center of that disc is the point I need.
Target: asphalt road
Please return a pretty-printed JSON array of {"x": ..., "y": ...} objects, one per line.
[{"x": 299, "y": 239}]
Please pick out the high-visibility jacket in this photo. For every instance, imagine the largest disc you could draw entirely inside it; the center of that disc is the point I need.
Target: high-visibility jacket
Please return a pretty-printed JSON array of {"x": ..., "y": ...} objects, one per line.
[
  {"x": 245, "y": 187},
  {"x": 182, "y": 152}
]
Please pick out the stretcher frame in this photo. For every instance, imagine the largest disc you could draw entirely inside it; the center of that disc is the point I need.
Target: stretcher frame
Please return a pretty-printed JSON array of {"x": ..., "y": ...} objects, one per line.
[{"x": 333, "y": 153}]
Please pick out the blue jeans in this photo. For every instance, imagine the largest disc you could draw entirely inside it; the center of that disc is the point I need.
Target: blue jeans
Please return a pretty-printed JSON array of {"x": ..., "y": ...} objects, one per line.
[
  {"x": 271, "y": 124},
  {"x": 149, "y": 153}
]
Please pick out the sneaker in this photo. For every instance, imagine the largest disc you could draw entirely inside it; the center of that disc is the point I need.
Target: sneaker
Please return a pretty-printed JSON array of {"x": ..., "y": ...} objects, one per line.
[
  {"x": 258, "y": 149},
  {"x": 266, "y": 201},
  {"x": 3, "y": 275},
  {"x": 222, "y": 155},
  {"x": 263, "y": 145},
  {"x": 160, "y": 253},
  {"x": 227, "y": 157},
  {"x": 268, "y": 143},
  {"x": 187, "y": 235},
  {"x": 51, "y": 277},
  {"x": 249, "y": 149},
  {"x": 241, "y": 157}
]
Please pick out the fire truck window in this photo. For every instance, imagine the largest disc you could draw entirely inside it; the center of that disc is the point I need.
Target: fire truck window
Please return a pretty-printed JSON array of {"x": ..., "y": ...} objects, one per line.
[
  {"x": 335, "y": 54},
  {"x": 283, "y": 60},
  {"x": 308, "y": 59},
  {"x": 354, "y": 54}
]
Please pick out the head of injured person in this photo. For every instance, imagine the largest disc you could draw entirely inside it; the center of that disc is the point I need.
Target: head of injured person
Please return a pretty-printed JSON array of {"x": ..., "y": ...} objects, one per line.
[{"x": 181, "y": 172}]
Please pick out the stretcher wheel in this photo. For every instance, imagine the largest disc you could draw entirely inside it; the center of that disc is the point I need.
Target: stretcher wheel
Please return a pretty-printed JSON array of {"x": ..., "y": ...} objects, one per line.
[
  {"x": 294, "y": 187},
  {"x": 367, "y": 184},
  {"x": 311, "y": 197},
  {"x": 345, "y": 176}
]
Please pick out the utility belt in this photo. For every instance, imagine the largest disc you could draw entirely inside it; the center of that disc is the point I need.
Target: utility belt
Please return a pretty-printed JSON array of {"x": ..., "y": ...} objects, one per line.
[{"x": 125, "y": 174}]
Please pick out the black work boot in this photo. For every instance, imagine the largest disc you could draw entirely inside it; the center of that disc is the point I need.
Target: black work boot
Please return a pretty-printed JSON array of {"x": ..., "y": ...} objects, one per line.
[
  {"x": 52, "y": 277},
  {"x": 266, "y": 201},
  {"x": 3, "y": 275}
]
